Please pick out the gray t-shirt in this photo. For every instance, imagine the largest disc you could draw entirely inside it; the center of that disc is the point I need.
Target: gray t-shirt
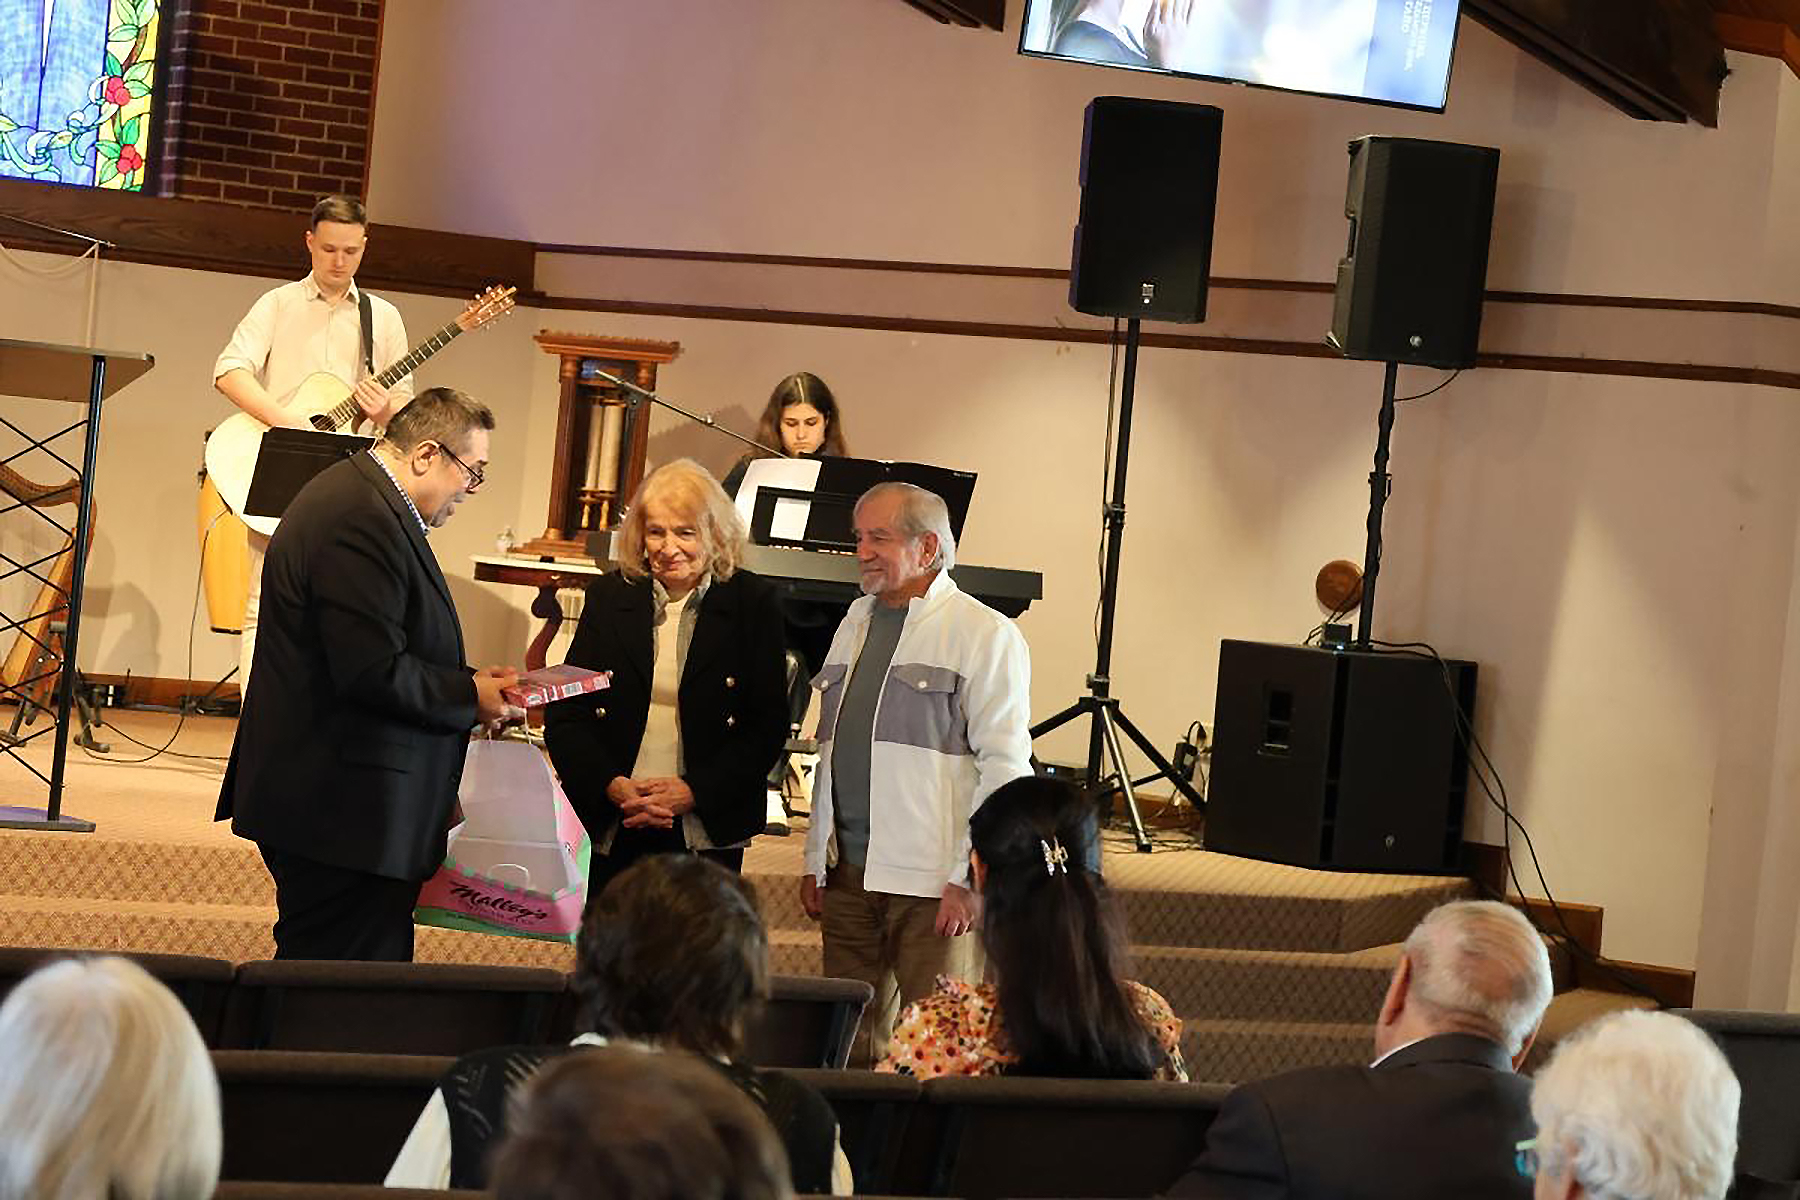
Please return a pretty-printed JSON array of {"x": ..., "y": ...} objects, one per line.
[{"x": 856, "y": 732}]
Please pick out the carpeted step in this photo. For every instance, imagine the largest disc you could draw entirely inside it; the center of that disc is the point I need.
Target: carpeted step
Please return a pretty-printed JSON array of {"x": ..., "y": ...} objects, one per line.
[
  {"x": 1233, "y": 1051},
  {"x": 75, "y": 865},
  {"x": 1268, "y": 985},
  {"x": 234, "y": 932},
  {"x": 1230, "y": 903}
]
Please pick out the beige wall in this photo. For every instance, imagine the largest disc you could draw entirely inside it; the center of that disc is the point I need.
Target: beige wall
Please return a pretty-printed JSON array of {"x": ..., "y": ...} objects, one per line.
[
  {"x": 1618, "y": 554},
  {"x": 145, "y": 558}
]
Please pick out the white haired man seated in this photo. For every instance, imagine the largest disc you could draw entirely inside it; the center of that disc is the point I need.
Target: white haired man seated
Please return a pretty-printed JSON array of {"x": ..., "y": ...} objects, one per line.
[
  {"x": 1638, "y": 1104},
  {"x": 1439, "y": 1111}
]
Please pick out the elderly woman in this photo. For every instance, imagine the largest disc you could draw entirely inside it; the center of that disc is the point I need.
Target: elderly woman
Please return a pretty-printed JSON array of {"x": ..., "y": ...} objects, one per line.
[
  {"x": 673, "y": 956},
  {"x": 1638, "y": 1104},
  {"x": 618, "y": 1122},
  {"x": 107, "y": 1091},
  {"x": 672, "y": 757}
]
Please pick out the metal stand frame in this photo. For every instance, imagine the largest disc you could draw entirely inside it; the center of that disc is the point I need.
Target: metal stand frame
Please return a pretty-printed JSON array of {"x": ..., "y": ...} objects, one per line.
[
  {"x": 47, "y": 372},
  {"x": 1100, "y": 705},
  {"x": 1380, "y": 484}
]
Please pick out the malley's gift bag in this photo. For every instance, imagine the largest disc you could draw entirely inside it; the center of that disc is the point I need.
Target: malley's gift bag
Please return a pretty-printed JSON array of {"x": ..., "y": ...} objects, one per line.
[{"x": 518, "y": 863}]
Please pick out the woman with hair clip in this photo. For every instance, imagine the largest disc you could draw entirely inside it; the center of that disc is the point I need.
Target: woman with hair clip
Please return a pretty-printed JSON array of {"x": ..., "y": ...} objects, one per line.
[{"x": 1056, "y": 1003}]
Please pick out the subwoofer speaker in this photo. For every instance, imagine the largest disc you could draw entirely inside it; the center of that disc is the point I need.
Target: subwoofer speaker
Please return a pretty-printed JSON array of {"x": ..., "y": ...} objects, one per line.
[
  {"x": 1347, "y": 759},
  {"x": 1410, "y": 286},
  {"x": 1149, "y": 185}
]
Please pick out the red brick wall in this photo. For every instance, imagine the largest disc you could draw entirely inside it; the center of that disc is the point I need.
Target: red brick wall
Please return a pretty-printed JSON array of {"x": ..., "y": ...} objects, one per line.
[{"x": 270, "y": 104}]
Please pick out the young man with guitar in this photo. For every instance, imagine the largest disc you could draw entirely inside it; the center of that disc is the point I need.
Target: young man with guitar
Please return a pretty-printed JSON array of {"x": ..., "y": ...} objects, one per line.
[{"x": 301, "y": 328}]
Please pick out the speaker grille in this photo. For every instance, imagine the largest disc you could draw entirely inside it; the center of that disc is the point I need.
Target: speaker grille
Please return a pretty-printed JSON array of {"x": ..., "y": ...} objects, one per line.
[
  {"x": 1149, "y": 186},
  {"x": 1410, "y": 285}
]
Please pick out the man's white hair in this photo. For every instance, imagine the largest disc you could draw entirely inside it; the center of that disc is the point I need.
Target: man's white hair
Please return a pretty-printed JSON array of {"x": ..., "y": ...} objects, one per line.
[
  {"x": 921, "y": 512},
  {"x": 1478, "y": 964},
  {"x": 108, "y": 1089},
  {"x": 1640, "y": 1105}
]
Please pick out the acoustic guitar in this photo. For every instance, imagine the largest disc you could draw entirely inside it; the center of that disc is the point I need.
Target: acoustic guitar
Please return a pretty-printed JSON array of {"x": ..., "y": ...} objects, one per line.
[{"x": 328, "y": 404}]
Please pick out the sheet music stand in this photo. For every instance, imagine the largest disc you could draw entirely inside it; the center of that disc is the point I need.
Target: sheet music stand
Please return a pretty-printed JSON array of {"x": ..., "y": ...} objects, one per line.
[
  {"x": 75, "y": 375},
  {"x": 840, "y": 484},
  {"x": 288, "y": 459}
]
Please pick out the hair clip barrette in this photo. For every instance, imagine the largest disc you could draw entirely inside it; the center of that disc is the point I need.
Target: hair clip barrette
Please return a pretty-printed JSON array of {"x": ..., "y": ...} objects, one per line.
[{"x": 1055, "y": 857}]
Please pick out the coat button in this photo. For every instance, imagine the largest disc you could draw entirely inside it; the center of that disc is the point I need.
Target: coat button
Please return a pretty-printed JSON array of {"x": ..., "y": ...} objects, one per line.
[
  {"x": 922, "y": 685},
  {"x": 599, "y": 712},
  {"x": 730, "y": 721},
  {"x": 731, "y": 681}
]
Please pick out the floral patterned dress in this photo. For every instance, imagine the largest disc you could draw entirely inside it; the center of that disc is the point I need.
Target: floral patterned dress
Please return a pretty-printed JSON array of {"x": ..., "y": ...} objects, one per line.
[{"x": 957, "y": 1030}]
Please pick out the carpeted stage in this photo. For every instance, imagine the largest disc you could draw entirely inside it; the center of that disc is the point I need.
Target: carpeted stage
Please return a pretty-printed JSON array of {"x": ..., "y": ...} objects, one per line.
[{"x": 1269, "y": 966}]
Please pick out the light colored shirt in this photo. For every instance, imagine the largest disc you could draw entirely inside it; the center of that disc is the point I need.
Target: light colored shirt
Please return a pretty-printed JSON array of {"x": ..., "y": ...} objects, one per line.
[
  {"x": 293, "y": 331},
  {"x": 410, "y": 506},
  {"x": 659, "y": 754},
  {"x": 855, "y": 734}
]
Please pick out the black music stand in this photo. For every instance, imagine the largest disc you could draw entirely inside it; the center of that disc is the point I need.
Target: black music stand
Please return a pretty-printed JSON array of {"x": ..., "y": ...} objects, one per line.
[
  {"x": 74, "y": 375},
  {"x": 840, "y": 484},
  {"x": 287, "y": 461}
]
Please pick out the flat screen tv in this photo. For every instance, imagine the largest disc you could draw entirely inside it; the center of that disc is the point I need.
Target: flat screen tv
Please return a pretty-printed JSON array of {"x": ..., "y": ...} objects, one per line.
[{"x": 1385, "y": 51}]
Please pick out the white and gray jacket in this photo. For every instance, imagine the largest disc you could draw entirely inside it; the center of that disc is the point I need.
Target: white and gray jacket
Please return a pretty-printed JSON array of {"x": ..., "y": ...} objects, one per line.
[{"x": 951, "y": 725}]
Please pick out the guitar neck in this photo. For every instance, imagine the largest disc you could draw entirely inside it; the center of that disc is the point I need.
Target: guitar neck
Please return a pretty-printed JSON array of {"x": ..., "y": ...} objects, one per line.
[{"x": 348, "y": 411}]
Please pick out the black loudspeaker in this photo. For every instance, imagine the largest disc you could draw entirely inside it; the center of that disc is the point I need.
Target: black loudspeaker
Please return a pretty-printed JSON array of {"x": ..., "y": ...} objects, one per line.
[
  {"x": 1409, "y": 288},
  {"x": 1349, "y": 759},
  {"x": 1149, "y": 184}
]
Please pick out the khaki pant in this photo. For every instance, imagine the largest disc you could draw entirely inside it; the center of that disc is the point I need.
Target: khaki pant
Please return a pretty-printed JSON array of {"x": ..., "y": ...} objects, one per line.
[
  {"x": 258, "y": 545},
  {"x": 888, "y": 942}
]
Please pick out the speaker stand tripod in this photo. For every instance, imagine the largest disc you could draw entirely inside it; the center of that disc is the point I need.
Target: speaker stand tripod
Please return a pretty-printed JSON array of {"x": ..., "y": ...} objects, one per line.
[
  {"x": 1100, "y": 706},
  {"x": 1380, "y": 484}
]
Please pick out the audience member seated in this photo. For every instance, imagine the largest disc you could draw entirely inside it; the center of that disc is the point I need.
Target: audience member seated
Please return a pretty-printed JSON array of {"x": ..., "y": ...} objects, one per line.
[
  {"x": 672, "y": 955},
  {"x": 107, "y": 1092},
  {"x": 1439, "y": 1112},
  {"x": 1057, "y": 1004},
  {"x": 623, "y": 1124},
  {"x": 1638, "y": 1104}
]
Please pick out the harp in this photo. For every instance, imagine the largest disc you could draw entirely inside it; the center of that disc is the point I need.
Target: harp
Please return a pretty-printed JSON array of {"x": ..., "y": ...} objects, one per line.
[{"x": 33, "y": 664}]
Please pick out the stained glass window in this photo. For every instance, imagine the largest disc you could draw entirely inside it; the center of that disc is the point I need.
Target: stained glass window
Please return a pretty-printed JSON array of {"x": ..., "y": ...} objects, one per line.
[{"x": 77, "y": 87}]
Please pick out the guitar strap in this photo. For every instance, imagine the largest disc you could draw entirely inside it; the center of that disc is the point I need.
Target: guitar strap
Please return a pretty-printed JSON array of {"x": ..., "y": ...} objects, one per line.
[{"x": 366, "y": 310}]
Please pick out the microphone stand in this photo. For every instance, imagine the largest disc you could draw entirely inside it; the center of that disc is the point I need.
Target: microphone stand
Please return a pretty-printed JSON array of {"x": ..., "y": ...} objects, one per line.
[
  {"x": 634, "y": 393},
  {"x": 68, "y": 233},
  {"x": 94, "y": 245}
]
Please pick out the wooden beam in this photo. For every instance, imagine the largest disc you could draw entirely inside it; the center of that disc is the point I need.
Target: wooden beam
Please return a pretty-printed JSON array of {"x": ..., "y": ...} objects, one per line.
[
  {"x": 1754, "y": 35},
  {"x": 206, "y": 236},
  {"x": 1659, "y": 60}
]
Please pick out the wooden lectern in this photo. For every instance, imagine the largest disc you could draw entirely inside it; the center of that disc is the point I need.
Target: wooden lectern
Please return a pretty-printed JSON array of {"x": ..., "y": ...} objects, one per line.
[
  {"x": 601, "y": 435},
  {"x": 75, "y": 375}
]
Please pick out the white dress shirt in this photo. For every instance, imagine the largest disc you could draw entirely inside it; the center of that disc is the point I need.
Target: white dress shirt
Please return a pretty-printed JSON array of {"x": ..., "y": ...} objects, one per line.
[{"x": 293, "y": 331}]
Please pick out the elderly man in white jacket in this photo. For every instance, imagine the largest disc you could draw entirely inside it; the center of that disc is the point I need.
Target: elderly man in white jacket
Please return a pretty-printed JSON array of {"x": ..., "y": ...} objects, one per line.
[{"x": 925, "y": 706}]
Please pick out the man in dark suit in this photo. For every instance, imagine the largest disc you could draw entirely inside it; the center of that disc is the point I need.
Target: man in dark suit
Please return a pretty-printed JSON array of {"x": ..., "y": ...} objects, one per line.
[
  {"x": 350, "y": 747},
  {"x": 1439, "y": 1112}
]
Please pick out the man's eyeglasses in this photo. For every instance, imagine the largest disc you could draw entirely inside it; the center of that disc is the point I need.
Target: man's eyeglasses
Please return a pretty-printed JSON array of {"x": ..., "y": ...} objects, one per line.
[
  {"x": 1525, "y": 1158},
  {"x": 475, "y": 474}
]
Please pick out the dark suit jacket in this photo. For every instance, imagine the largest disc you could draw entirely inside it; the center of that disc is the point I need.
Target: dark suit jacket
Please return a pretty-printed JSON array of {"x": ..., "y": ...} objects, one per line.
[
  {"x": 732, "y": 702},
  {"x": 351, "y": 742},
  {"x": 1438, "y": 1119}
]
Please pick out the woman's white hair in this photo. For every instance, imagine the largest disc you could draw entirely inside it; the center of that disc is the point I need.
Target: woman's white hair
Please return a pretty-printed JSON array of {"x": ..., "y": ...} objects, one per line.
[
  {"x": 1640, "y": 1105},
  {"x": 690, "y": 490},
  {"x": 107, "y": 1089},
  {"x": 921, "y": 512},
  {"x": 1481, "y": 965}
]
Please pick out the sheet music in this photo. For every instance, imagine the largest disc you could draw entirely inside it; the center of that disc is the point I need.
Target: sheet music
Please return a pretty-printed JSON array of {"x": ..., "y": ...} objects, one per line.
[{"x": 796, "y": 474}]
